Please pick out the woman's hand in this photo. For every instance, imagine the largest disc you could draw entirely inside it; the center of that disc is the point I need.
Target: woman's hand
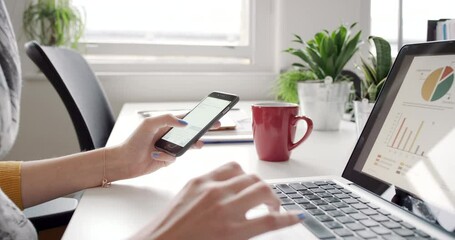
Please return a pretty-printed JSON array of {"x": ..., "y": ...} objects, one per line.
[
  {"x": 214, "y": 205},
  {"x": 137, "y": 155}
]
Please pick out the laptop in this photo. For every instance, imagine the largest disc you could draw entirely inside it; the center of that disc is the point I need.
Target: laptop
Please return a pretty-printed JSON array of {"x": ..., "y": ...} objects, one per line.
[{"x": 399, "y": 182}]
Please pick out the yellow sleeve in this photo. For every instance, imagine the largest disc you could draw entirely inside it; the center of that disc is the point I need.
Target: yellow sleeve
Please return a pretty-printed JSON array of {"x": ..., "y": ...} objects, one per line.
[{"x": 10, "y": 181}]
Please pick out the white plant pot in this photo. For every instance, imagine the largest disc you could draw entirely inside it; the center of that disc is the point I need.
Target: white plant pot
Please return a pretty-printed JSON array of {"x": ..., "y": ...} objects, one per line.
[
  {"x": 323, "y": 102},
  {"x": 362, "y": 110}
]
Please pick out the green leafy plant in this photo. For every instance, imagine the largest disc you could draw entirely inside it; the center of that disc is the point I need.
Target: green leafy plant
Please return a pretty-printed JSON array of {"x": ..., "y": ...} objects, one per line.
[
  {"x": 53, "y": 22},
  {"x": 286, "y": 89},
  {"x": 328, "y": 52},
  {"x": 376, "y": 69}
]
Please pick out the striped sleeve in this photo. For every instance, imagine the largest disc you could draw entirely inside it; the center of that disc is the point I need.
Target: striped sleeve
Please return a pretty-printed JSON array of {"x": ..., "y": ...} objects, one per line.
[{"x": 10, "y": 181}]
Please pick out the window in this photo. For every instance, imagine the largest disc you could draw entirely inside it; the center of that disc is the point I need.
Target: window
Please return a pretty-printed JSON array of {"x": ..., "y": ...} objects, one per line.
[
  {"x": 197, "y": 35},
  {"x": 405, "y": 21}
]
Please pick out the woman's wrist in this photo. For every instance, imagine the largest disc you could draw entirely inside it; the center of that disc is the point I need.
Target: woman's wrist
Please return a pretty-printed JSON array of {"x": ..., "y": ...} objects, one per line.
[{"x": 115, "y": 167}]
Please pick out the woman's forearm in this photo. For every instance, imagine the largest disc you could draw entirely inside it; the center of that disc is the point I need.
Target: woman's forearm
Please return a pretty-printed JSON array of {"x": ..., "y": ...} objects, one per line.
[{"x": 47, "y": 179}]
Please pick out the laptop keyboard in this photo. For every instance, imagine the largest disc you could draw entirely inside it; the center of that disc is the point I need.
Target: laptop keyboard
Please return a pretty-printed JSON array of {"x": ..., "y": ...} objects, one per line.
[{"x": 332, "y": 211}]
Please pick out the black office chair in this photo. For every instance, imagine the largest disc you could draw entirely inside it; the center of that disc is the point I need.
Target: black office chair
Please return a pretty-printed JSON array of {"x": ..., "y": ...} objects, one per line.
[
  {"x": 90, "y": 113},
  {"x": 80, "y": 91}
]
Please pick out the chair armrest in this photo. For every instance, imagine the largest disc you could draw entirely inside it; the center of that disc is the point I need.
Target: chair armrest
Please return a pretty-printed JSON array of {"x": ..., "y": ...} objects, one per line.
[{"x": 55, "y": 213}]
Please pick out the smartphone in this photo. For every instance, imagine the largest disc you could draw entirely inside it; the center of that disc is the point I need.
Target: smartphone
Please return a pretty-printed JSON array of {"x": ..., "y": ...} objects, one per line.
[{"x": 177, "y": 140}]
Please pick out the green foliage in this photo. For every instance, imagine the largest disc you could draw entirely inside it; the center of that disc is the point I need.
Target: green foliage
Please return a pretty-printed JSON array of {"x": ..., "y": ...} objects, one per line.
[
  {"x": 327, "y": 53},
  {"x": 53, "y": 22},
  {"x": 376, "y": 69},
  {"x": 286, "y": 89}
]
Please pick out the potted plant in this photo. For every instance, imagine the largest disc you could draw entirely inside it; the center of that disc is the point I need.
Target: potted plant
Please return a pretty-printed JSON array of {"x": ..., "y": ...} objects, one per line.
[
  {"x": 375, "y": 72},
  {"x": 53, "y": 23},
  {"x": 324, "y": 98},
  {"x": 286, "y": 89}
]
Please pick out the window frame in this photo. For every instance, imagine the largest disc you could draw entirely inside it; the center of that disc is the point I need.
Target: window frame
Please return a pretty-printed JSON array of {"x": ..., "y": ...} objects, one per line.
[{"x": 256, "y": 56}]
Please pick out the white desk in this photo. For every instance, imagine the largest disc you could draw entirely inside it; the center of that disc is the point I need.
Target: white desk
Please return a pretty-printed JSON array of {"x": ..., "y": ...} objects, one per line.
[{"x": 123, "y": 209}]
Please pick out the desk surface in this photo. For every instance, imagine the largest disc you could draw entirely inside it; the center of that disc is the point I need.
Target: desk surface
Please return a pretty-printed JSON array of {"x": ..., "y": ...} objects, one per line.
[{"x": 123, "y": 209}]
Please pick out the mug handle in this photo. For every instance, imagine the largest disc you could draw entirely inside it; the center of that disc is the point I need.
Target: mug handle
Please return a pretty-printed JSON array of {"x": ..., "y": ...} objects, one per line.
[{"x": 309, "y": 129}]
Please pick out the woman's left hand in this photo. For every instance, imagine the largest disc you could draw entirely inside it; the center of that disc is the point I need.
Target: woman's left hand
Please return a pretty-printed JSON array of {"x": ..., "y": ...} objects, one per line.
[{"x": 137, "y": 155}]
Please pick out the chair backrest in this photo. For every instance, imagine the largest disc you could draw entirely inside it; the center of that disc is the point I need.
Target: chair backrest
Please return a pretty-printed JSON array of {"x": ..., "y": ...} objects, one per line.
[{"x": 80, "y": 91}]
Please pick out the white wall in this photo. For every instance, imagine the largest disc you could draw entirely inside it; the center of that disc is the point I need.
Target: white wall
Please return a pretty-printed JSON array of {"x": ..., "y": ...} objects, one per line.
[{"x": 46, "y": 129}]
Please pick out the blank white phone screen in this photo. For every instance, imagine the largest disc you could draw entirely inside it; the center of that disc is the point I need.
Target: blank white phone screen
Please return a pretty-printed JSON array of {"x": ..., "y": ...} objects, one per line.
[{"x": 197, "y": 119}]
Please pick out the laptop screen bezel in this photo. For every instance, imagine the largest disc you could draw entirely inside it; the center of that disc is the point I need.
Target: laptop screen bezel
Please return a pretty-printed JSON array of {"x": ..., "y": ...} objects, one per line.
[{"x": 383, "y": 105}]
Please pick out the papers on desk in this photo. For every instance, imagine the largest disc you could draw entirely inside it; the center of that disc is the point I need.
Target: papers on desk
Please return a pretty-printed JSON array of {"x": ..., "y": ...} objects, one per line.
[{"x": 235, "y": 126}]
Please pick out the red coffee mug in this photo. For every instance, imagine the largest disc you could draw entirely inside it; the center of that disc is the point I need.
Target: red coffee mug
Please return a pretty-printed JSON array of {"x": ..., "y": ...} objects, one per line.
[{"x": 274, "y": 126}]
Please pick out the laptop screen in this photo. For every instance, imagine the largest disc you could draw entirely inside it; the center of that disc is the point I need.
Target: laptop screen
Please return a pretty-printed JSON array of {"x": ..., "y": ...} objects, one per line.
[{"x": 409, "y": 140}]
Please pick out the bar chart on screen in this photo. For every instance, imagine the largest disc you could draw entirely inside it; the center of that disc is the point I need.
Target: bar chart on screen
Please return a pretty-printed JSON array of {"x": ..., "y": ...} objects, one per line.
[{"x": 407, "y": 133}]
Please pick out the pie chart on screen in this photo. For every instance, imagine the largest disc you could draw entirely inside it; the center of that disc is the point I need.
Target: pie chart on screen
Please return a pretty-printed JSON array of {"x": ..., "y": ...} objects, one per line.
[{"x": 437, "y": 84}]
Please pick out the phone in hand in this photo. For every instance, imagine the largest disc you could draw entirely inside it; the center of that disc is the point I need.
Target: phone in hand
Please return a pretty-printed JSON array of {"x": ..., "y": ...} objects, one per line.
[{"x": 177, "y": 140}]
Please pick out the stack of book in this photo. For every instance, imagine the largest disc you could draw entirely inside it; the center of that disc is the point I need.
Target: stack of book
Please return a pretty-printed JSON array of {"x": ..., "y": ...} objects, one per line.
[{"x": 442, "y": 29}]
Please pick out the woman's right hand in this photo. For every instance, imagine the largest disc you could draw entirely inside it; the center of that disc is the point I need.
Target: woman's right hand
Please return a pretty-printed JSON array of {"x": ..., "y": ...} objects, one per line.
[{"x": 213, "y": 206}]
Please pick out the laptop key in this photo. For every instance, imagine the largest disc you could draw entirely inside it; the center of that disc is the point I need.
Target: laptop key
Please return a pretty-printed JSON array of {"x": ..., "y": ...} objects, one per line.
[
  {"x": 359, "y": 206},
  {"x": 317, "y": 190},
  {"x": 324, "y": 218},
  {"x": 312, "y": 197},
  {"x": 369, "y": 223},
  {"x": 327, "y": 207},
  {"x": 371, "y": 205},
  {"x": 319, "y": 230},
  {"x": 335, "y": 213},
  {"x": 333, "y": 225},
  {"x": 306, "y": 192},
  {"x": 334, "y": 191},
  {"x": 292, "y": 207},
  {"x": 281, "y": 195},
  {"x": 332, "y": 199},
  {"x": 422, "y": 233},
  {"x": 383, "y": 212},
  {"x": 343, "y": 232},
  {"x": 404, "y": 232},
  {"x": 341, "y": 205},
  {"x": 351, "y": 238},
  {"x": 342, "y": 195},
  {"x": 328, "y": 187},
  {"x": 355, "y": 226},
  {"x": 396, "y": 219},
  {"x": 380, "y": 230},
  {"x": 308, "y": 206},
  {"x": 346, "y": 191},
  {"x": 309, "y": 185},
  {"x": 392, "y": 237},
  {"x": 286, "y": 201},
  {"x": 349, "y": 210},
  {"x": 294, "y": 195},
  {"x": 407, "y": 225},
  {"x": 391, "y": 225},
  {"x": 345, "y": 219},
  {"x": 366, "y": 234},
  {"x": 315, "y": 212},
  {"x": 285, "y": 188},
  {"x": 350, "y": 200},
  {"x": 380, "y": 218},
  {"x": 320, "y": 183},
  {"x": 297, "y": 186},
  {"x": 358, "y": 216},
  {"x": 302, "y": 201},
  {"x": 324, "y": 195},
  {"x": 354, "y": 195},
  {"x": 369, "y": 212},
  {"x": 319, "y": 202}
]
